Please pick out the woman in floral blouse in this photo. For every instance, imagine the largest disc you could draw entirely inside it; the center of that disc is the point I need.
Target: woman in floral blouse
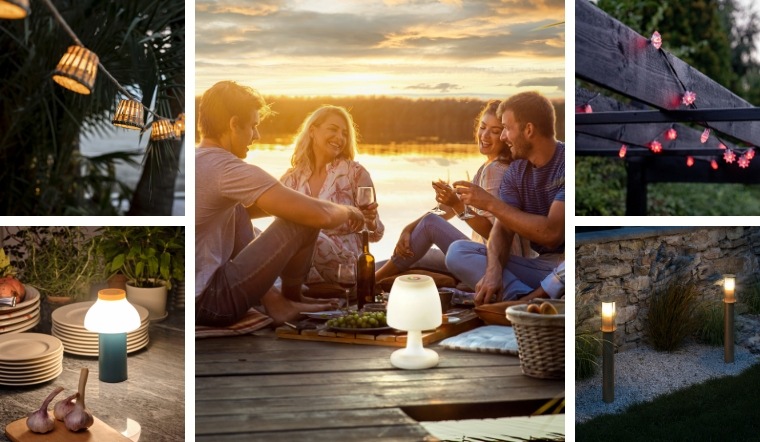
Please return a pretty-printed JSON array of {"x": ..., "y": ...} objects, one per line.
[{"x": 324, "y": 167}]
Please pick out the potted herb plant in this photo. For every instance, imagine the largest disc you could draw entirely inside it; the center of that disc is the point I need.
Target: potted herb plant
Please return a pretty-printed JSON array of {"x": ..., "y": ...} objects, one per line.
[
  {"x": 60, "y": 262},
  {"x": 149, "y": 257}
]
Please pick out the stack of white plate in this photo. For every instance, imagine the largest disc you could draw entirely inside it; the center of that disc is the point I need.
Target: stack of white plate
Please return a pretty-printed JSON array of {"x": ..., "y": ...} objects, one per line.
[
  {"x": 24, "y": 316},
  {"x": 179, "y": 295},
  {"x": 29, "y": 358},
  {"x": 68, "y": 326}
]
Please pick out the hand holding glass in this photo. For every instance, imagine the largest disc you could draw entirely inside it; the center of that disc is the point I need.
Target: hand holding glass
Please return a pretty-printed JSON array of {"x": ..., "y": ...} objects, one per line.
[
  {"x": 438, "y": 211},
  {"x": 466, "y": 214},
  {"x": 364, "y": 197}
]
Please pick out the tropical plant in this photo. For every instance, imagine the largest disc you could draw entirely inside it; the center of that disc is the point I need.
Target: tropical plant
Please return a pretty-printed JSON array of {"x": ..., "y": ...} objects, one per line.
[
  {"x": 58, "y": 261},
  {"x": 141, "y": 44},
  {"x": 147, "y": 256},
  {"x": 672, "y": 313},
  {"x": 587, "y": 348}
]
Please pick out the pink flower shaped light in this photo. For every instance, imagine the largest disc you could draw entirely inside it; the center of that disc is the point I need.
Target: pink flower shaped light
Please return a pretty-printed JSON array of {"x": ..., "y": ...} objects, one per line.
[
  {"x": 689, "y": 97},
  {"x": 729, "y": 156},
  {"x": 656, "y": 40},
  {"x": 655, "y": 146},
  {"x": 743, "y": 161}
]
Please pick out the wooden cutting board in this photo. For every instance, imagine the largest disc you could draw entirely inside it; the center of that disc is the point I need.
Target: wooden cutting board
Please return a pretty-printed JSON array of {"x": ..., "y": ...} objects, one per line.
[
  {"x": 98, "y": 432},
  {"x": 468, "y": 321}
]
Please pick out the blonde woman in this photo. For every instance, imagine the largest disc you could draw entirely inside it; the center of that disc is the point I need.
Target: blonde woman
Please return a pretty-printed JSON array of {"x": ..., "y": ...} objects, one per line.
[{"x": 324, "y": 167}]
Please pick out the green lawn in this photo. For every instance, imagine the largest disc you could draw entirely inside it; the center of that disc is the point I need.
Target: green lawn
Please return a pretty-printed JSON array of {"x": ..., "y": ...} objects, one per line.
[{"x": 725, "y": 409}]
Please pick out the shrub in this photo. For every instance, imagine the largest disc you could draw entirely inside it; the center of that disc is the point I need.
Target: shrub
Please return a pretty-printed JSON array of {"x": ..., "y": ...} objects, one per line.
[
  {"x": 672, "y": 314},
  {"x": 587, "y": 348},
  {"x": 710, "y": 327},
  {"x": 751, "y": 298}
]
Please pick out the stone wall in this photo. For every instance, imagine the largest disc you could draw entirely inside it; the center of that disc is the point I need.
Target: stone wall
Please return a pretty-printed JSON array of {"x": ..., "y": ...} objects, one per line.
[{"x": 626, "y": 265}]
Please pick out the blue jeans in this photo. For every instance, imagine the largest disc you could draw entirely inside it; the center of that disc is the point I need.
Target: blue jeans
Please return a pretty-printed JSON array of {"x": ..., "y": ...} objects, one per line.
[
  {"x": 285, "y": 249},
  {"x": 432, "y": 229},
  {"x": 467, "y": 261}
]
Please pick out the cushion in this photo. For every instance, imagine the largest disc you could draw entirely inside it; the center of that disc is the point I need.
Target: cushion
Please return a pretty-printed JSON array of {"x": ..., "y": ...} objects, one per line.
[
  {"x": 487, "y": 339},
  {"x": 252, "y": 321}
]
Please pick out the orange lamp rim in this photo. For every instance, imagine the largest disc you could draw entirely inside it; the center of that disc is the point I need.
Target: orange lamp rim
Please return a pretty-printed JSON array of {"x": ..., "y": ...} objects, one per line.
[{"x": 112, "y": 294}]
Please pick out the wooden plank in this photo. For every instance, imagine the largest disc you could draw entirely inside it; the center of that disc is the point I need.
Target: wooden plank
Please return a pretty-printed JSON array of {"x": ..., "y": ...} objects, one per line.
[
  {"x": 610, "y": 54},
  {"x": 668, "y": 116},
  {"x": 308, "y": 420},
  {"x": 399, "y": 433}
]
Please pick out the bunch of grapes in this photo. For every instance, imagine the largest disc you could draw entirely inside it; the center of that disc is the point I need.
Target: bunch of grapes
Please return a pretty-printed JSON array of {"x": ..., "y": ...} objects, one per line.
[{"x": 359, "y": 320}]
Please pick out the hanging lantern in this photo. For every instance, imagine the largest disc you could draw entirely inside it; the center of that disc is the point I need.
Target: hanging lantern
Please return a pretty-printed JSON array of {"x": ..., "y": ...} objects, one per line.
[
  {"x": 14, "y": 9},
  {"x": 162, "y": 130},
  {"x": 77, "y": 70},
  {"x": 179, "y": 125},
  {"x": 129, "y": 115}
]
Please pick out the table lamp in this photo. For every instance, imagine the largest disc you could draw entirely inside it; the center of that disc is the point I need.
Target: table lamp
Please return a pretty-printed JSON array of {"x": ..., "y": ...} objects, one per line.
[
  {"x": 414, "y": 306},
  {"x": 112, "y": 316}
]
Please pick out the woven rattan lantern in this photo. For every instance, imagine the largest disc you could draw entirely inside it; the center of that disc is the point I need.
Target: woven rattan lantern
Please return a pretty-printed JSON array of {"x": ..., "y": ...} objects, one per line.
[
  {"x": 179, "y": 125},
  {"x": 162, "y": 130},
  {"x": 77, "y": 70},
  {"x": 129, "y": 115},
  {"x": 14, "y": 9}
]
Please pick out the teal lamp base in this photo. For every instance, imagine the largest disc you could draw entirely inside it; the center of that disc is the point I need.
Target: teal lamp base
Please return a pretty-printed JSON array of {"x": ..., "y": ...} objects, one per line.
[{"x": 112, "y": 358}]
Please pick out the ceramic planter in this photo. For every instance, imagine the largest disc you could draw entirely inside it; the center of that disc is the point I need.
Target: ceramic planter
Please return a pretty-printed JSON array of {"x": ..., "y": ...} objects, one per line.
[{"x": 152, "y": 298}]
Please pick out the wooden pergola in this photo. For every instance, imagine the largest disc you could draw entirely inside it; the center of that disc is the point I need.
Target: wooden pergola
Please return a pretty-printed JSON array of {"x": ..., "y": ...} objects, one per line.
[{"x": 620, "y": 61}]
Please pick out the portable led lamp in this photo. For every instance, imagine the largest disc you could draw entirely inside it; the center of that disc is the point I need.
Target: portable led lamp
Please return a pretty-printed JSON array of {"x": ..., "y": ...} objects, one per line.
[
  {"x": 112, "y": 317},
  {"x": 414, "y": 306}
]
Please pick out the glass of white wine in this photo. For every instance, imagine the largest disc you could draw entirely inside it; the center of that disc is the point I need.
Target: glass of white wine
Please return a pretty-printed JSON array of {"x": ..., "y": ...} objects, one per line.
[
  {"x": 466, "y": 214},
  {"x": 437, "y": 210}
]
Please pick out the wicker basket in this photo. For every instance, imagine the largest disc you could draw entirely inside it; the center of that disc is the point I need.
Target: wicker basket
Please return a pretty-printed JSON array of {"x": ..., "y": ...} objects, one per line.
[{"x": 540, "y": 341}]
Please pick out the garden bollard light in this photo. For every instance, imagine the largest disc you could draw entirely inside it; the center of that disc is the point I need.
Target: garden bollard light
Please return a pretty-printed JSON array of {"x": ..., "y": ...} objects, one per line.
[{"x": 608, "y": 351}]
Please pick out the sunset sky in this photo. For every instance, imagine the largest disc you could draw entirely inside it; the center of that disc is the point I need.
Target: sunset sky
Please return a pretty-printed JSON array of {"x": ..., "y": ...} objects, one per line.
[{"x": 413, "y": 48}]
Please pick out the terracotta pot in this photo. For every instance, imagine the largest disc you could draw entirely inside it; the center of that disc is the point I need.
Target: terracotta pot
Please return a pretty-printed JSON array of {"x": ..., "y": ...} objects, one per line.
[
  {"x": 152, "y": 298},
  {"x": 117, "y": 281}
]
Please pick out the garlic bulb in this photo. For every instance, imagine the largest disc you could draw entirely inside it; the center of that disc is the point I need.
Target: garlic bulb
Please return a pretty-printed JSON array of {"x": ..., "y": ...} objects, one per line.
[
  {"x": 40, "y": 421},
  {"x": 79, "y": 418},
  {"x": 64, "y": 407}
]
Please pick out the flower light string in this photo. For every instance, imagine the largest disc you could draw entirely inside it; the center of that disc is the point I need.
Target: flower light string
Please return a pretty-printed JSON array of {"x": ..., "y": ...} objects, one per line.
[{"x": 77, "y": 71}]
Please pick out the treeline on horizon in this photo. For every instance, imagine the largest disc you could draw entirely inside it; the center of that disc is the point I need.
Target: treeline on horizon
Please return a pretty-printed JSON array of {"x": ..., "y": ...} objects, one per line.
[{"x": 384, "y": 119}]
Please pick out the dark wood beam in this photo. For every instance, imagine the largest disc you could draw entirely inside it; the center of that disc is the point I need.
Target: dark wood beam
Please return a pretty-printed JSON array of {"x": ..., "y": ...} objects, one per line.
[{"x": 663, "y": 116}]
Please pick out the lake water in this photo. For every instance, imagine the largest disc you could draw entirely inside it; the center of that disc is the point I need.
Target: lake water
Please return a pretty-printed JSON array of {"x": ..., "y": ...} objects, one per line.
[
  {"x": 117, "y": 139},
  {"x": 402, "y": 175}
]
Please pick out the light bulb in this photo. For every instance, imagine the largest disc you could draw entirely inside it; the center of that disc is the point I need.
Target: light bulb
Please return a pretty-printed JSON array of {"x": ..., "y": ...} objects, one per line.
[
  {"x": 743, "y": 161},
  {"x": 714, "y": 164},
  {"x": 671, "y": 134},
  {"x": 623, "y": 150},
  {"x": 655, "y": 146},
  {"x": 656, "y": 40},
  {"x": 688, "y": 98},
  {"x": 722, "y": 146},
  {"x": 750, "y": 154},
  {"x": 729, "y": 156},
  {"x": 705, "y": 135},
  {"x": 690, "y": 161}
]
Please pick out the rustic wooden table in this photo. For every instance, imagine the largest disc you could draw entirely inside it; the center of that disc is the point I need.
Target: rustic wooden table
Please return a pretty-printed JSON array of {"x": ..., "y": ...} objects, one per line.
[
  {"x": 260, "y": 387},
  {"x": 153, "y": 395}
]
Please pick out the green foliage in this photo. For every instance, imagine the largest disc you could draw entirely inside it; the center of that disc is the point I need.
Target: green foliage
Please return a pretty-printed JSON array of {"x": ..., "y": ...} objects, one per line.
[
  {"x": 717, "y": 410},
  {"x": 144, "y": 255},
  {"x": 699, "y": 199},
  {"x": 599, "y": 186},
  {"x": 58, "y": 261},
  {"x": 587, "y": 348},
  {"x": 141, "y": 43},
  {"x": 751, "y": 298},
  {"x": 710, "y": 324},
  {"x": 672, "y": 314}
]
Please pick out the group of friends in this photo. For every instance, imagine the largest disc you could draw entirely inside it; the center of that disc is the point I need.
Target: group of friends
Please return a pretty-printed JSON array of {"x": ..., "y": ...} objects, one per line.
[{"x": 516, "y": 251}]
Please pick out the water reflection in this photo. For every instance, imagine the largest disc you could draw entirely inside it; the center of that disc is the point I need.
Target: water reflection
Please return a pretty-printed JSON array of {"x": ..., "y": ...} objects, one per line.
[{"x": 402, "y": 174}]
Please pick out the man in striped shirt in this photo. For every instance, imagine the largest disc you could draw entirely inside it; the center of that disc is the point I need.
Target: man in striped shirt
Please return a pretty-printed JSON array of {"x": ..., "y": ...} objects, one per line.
[{"x": 531, "y": 204}]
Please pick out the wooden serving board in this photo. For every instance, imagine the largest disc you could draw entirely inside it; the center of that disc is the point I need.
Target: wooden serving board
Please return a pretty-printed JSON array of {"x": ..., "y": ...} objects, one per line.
[
  {"x": 98, "y": 432},
  {"x": 469, "y": 320}
]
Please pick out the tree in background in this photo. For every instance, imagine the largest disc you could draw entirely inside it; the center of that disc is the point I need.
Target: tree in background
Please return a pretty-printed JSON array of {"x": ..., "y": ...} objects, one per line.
[{"x": 141, "y": 43}]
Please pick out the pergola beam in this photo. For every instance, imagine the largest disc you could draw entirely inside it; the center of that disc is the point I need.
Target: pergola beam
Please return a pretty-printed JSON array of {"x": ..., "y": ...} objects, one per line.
[{"x": 665, "y": 116}]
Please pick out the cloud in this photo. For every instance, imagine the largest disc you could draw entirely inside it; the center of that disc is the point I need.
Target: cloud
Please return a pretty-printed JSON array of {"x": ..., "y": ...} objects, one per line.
[
  {"x": 441, "y": 87},
  {"x": 558, "y": 82}
]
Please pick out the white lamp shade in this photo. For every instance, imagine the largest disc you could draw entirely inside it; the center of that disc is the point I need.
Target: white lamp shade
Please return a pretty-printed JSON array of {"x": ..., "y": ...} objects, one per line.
[
  {"x": 414, "y": 304},
  {"x": 112, "y": 313}
]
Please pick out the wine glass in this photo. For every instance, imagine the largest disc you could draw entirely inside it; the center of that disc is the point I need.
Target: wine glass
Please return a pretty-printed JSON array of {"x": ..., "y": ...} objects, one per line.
[
  {"x": 438, "y": 210},
  {"x": 347, "y": 279},
  {"x": 466, "y": 214},
  {"x": 364, "y": 197}
]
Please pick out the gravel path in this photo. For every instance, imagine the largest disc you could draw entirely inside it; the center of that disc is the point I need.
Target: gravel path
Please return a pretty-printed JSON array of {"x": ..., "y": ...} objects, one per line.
[{"x": 643, "y": 374}]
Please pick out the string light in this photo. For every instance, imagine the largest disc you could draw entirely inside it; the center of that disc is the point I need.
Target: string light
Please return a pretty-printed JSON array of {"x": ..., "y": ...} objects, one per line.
[
  {"x": 688, "y": 98},
  {"x": 162, "y": 130},
  {"x": 705, "y": 135},
  {"x": 655, "y": 146},
  {"x": 743, "y": 161},
  {"x": 729, "y": 156},
  {"x": 750, "y": 153},
  {"x": 690, "y": 161},
  {"x": 722, "y": 146},
  {"x": 14, "y": 9},
  {"x": 623, "y": 150},
  {"x": 714, "y": 164},
  {"x": 656, "y": 40},
  {"x": 179, "y": 125},
  {"x": 671, "y": 134},
  {"x": 129, "y": 115}
]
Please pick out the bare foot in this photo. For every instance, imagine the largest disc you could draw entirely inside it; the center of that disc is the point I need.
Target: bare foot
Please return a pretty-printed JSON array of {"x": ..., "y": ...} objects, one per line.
[{"x": 282, "y": 310}]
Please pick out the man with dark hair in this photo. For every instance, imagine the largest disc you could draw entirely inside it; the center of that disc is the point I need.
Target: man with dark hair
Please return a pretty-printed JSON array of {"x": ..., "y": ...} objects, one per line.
[
  {"x": 531, "y": 204},
  {"x": 233, "y": 270}
]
